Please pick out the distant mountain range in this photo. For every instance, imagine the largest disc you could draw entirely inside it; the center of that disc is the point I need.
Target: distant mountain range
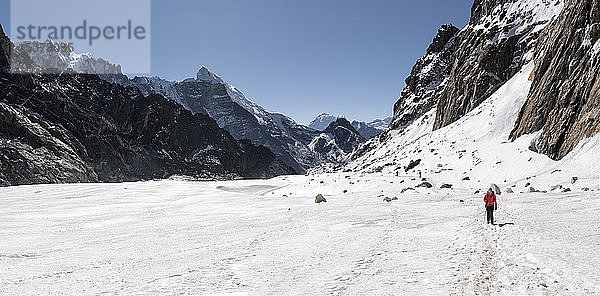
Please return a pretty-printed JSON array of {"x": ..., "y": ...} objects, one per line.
[
  {"x": 71, "y": 127},
  {"x": 365, "y": 129},
  {"x": 209, "y": 94}
]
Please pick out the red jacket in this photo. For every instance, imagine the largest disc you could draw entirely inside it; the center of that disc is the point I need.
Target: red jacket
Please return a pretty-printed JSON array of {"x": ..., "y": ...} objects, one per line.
[{"x": 490, "y": 199}]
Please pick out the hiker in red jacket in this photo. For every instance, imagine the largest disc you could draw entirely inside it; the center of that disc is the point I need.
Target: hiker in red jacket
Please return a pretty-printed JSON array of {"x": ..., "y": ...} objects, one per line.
[{"x": 490, "y": 205}]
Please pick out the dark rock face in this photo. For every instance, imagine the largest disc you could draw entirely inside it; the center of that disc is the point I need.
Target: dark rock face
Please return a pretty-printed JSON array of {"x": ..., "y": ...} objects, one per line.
[
  {"x": 564, "y": 100},
  {"x": 488, "y": 52},
  {"x": 344, "y": 134},
  {"x": 81, "y": 128},
  {"x": 427, "y": 79}
]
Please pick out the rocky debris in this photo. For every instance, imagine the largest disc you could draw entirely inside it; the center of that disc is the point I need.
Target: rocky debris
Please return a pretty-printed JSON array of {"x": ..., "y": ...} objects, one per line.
[
  {"x": 320, "y": 198},
  {"x": 527, "y": 184},
  {"x": 566, "y": 189},
  {"x": 565, "y": 94},
  {"x": 585, "y": 189},
  {"x": 425, "y": 184},
  {"x": 406, "y": 189},
  {"x": 531, "y": 189},
  {"x": 477, "y": 191},
  {"x": 439, "y": 165},
  {"x": 412, "y": 164},
  {"x": 345, "y": 191},
  {"x": 466, "y": 179},
  {"x": 556, "y": 187},
  {"x": 496, "y": 189},
  {"x": 388, "y": 199},
  {"x": 461, "y": 200},
  {"x": 509, "y": 190},
  {"x": 446, "y": 186},
  {"x": 573, "y": 180}
]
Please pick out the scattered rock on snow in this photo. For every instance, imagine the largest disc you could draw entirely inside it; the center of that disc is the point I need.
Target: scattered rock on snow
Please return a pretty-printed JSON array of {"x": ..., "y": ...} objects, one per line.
[
  {"x": 573, "y": 180},
  {"x": 394, "y": 198},
  {"x": 556, "y": 187},
  {"x": 466, "y": 179},
  {"x": 461, "y": 200},
  {"x": 446, "y": 186},
  {"x": 585, "y": 189},
  {"x": 496, "y": 189},
  {"x": 508, "y": 190},
  {"x": 320, "y": 198},
  {"x": 406, "y": 189},
  {"x": 345, "y": 190},
  {"x": 412, "y": 164},
  {"x": 387, "y": 199},
  {"x": 527, "y": 184},
  {"x": 531, "y": 189},
  {"x": 566, "y": 189},
  {"x": 425, "y": 184}
]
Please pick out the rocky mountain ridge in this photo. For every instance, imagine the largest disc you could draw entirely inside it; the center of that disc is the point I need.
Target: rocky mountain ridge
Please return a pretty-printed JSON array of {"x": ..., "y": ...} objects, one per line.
[{"x": 71, "y": 127}]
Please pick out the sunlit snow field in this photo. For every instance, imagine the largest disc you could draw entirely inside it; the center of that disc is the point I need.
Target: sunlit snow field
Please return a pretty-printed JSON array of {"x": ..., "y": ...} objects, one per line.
[{"x": 269, "y": 237}]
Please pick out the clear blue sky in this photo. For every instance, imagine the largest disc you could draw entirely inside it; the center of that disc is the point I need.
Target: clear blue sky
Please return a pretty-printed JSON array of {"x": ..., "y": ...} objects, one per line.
[{"x": 299, "y": 57}]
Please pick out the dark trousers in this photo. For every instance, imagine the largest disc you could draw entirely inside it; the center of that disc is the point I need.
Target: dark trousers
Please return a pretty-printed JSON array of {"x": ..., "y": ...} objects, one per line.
[{"x": 490, "y": 214}]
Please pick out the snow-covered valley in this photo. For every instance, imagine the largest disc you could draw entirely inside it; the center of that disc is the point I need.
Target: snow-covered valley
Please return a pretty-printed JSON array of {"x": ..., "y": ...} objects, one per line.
[{"x": 270, "y": 237}]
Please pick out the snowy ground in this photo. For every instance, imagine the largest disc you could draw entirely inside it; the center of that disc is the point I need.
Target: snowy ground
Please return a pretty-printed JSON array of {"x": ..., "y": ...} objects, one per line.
[{"x": 269, "y": 237}]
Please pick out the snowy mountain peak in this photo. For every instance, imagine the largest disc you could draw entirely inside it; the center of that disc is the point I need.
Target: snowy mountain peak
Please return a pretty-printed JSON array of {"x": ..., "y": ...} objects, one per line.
[
  {"x": 205, "y": 75},
  {"x": 321, "y": 121},
  {"x": 61, "y": 56}
]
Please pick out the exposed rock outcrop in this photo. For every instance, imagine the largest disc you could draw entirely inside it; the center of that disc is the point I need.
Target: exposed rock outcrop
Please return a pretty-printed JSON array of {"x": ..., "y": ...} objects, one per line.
[
  {"x": 427, "y": 79},
  {"x": 564, "y": 100},
  {"x": 498, "y": 40}
]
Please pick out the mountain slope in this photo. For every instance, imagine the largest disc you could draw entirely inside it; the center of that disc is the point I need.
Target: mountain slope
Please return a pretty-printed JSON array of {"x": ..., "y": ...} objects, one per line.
[
  {"x": 81, "y": 128},
  {"x": 564, "y": 102},
  {"x": 498, "y": 40},
  {"x": 209, "y": 94}
]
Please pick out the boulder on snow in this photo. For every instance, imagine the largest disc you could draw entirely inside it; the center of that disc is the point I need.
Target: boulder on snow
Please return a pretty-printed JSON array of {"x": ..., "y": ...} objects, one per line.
[
  {"x": 585, "y": 189},
  {"x": 387, "y": 199},
  {"x": 412, "y": 164},
  {"x": 566, "y": 189},
  {"x": 508, "y": 190},
  {"x": 527, "y": 184},
  {"x": 425, "y": 184},
  {"x": 496, "y": 189},
  {"x": 320, "y": 198},
  {"x": 394, "y": 198},
  {"x": 573, "y": 180},
  {"x": 555, "y": 187},
  {"x": 531, "y": 189},
  {"x": 466, "y": 178},
  {"x": 446, "y": 186},
  {"x": 406, "y": 189}
]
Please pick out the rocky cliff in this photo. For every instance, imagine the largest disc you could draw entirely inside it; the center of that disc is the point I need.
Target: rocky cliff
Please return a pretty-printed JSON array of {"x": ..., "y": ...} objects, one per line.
[
  {"x": 427, "y": 79},
  {"x": 498, "y": 40},
  {"x": 564, "y": 100}
]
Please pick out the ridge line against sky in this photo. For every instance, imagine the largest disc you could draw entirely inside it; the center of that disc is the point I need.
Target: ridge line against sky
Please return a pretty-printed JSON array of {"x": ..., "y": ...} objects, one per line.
[{"x": 299, "y": 58}]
